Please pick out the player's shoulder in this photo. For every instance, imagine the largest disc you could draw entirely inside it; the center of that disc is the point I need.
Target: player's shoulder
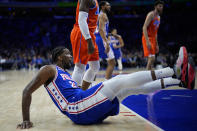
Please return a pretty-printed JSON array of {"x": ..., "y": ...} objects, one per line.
[
  {"x": 103, "y": 15},
  {"x": 48, "y": 68},
  {"x": 151, "y": 14},
  {"x": 93, "y": 2},
  {"x": 46, "y": 72},
  {"x": 88, "y": 2}
]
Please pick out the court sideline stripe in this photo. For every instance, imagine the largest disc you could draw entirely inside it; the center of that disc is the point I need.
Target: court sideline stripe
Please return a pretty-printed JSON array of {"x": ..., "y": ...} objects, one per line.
[{"x": 142, "y": 118}]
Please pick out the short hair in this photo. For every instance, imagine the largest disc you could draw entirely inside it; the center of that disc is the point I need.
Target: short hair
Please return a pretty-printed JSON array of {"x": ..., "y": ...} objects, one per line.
[
  {"x": 102, "y": 3},
  {"x": 113, "y": 29},
  {"x": 57, "y": 52},
  {"x": 158, "y": 2}
]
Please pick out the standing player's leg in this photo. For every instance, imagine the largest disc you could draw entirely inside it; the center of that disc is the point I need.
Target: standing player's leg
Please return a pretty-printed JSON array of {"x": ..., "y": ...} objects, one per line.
[
  {"x": 110, "y": 67},
  {"x": 150, "y": 63},
  {"x": 151, "y": 57},
  {"x": 78, "y": 73},
  {"x": 119, "y": 64},
  {"x": 118, "y": 56},
  {"x": 111, "y": 63},
  {"x": 94, "y": 65},
  {"x": 79, "y": 55},
  {"x": 90, "y": 74},
  {"x": 109, "y": 56},
  {"x": 149, "y": 53}
]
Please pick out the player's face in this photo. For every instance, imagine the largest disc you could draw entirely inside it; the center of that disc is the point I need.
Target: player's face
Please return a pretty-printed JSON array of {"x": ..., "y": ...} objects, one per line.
[
  {"x": 107, "y": 7},
  {"x": 66, "y": 59},
  {"x": 159, "y": 8},
  {"x": 114, "y": 32}
]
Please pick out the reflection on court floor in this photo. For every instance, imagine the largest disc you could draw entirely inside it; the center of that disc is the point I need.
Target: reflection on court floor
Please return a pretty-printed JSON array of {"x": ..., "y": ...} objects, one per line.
[{"x": 170, "y": 110}]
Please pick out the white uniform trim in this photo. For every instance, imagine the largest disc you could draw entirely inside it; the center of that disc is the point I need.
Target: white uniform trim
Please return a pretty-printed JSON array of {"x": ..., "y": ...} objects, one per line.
[
  {"x": 79, "y": 106},
  {"x": 151, "y": 55},
  {"x": 58, "y": 97}
]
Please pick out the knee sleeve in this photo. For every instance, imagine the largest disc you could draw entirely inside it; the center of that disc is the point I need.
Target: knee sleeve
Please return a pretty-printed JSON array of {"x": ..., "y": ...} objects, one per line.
[
  {"x": 92, "y": 71},
  {"x": 78, "y": 73}
]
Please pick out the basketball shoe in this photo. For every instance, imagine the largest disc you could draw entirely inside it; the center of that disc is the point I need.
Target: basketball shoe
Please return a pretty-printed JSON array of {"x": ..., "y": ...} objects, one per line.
[
  {"x": 191, "y": 74},
  {"x": 184, "y": 70}
]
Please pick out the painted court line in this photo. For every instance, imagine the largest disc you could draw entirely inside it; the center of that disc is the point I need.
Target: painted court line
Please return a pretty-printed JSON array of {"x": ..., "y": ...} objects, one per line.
[
  {"x": 129, "y": 115},
  {"x": 142, "y": 118},
  {"x": 181, "y": 95}
]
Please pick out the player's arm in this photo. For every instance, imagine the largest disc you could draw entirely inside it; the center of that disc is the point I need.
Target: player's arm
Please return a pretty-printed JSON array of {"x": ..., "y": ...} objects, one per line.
[
  {"x": 149, "y": 18},
  {"x": 84, "y": 6},
  {"x": 46, "y": 73},
  {"x": 119, "y": 37},
  {"x": 102, "y": 20}
]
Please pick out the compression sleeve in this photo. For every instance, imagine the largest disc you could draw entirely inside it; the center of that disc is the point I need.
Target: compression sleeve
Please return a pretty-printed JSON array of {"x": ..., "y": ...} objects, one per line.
[{"x": 83, "y": 25}]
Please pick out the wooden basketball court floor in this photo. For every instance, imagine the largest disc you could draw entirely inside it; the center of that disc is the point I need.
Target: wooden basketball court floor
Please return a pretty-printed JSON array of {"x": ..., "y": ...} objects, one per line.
[{"x": 46, "y": 116}]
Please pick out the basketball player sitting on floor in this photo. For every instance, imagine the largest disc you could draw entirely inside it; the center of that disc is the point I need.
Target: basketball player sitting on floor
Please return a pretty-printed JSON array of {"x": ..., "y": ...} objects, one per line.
[{"x": 97, "y": 103}]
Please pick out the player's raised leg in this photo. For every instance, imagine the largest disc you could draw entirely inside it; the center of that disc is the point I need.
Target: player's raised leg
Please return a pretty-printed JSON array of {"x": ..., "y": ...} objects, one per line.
[
  {"x": 133, "y": 81},
  {"x": 149, "y": 87}
]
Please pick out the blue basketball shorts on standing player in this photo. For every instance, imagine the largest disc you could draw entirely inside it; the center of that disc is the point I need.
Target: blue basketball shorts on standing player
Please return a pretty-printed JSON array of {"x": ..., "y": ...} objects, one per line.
[
  {"x": 101, "y": 47},
  {"x": 91, "y": 106},
  {"x": 117, "y": 53}
]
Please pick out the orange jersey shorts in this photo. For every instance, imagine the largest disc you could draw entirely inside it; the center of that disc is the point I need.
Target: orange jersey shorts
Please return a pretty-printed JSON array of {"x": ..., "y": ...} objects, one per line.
[
  {"x": 80, "y": 47},
  {"x": 152, "y": 51}
]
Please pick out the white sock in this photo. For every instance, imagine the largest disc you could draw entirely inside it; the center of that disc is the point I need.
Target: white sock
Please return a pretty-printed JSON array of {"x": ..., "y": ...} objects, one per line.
[
  {"x": 168, "y": 82},
  {"x": 163, "y": 73}
]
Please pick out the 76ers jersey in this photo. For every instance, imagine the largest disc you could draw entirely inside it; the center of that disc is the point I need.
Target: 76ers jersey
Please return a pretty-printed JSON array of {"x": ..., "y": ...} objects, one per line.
[
  {"x": 92, "y": 16},
  {"x": 117, "y": 51},
  {"x": 62, "y": 89},
  {"x": 106, "y": 29},
  {"x": 99, "y": 41},
  {"x": 82, "y": 107}
]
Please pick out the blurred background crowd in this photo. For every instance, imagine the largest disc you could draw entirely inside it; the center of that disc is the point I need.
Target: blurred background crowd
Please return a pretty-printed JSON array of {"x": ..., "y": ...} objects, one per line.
[{"x": 29, "y": 30}]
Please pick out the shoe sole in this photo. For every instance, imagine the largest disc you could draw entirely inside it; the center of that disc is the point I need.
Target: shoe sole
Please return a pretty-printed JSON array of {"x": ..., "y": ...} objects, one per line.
[
  {"x": 184, "y": 58},
  {"x": 191, "y": 74}
]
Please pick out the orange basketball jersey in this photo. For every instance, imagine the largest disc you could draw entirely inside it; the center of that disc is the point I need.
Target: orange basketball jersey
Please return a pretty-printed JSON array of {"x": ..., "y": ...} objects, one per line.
[
  {"x": 153, "y": 27},
  {"x": 79, "y": 44},
  {"x": 92, "y": 17},
  {"x": 152, "y": 33}
]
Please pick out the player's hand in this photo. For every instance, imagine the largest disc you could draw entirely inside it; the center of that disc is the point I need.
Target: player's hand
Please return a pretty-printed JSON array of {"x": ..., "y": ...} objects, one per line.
[
  {"x": 110, "y": 34},
  {"x": 148, "y": 45},
  {"x": 91, "y": 47},
  {"x": 115, "y": 46},
  {"x": 106, "y": 48},
  {"x": 117, "y": 36},
  {"x": 25, "y": 125},
  {"x": 157, "y": 49}
]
